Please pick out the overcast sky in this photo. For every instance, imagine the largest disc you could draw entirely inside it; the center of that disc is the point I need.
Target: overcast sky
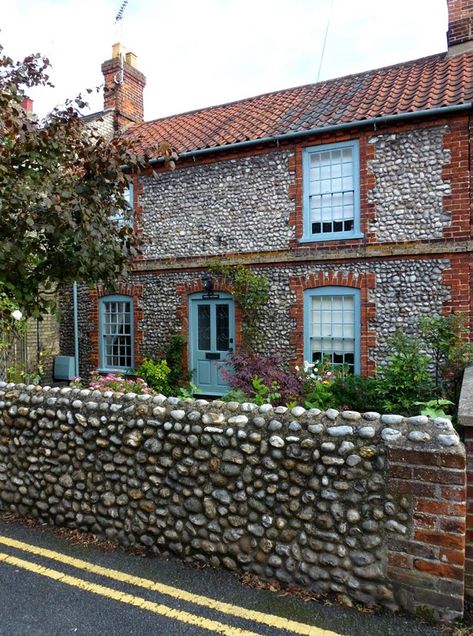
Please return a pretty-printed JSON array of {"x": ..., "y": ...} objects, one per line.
[{"x": 198, "y": 53}]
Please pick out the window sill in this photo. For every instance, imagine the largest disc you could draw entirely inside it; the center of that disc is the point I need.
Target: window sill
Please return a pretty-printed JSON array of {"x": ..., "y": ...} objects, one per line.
[
  {"x": 115, "y": 370},
  {"x": 331, "y": 237}
]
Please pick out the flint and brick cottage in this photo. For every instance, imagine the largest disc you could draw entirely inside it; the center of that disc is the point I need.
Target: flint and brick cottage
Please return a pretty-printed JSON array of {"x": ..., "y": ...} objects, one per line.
[{"x": 352, "y": 196}]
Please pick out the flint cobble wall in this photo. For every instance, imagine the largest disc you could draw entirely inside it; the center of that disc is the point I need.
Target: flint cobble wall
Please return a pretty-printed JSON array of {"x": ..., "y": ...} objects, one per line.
[
  {"x": 404, "y": 291},
  {"x": 332, "y": 502},
  {"x": 238, "y": 205},
  {"x": 410, "y": 185}
]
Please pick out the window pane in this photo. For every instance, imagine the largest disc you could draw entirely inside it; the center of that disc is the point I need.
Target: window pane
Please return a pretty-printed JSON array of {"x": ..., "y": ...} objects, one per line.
[
  {"x": 116, "y": 329},
  {"x": 331, "y": 181},
  {"x": 333, "y": 329},
  {"x": 223, "y": 334},
  {"x": 203, "y": 326}
]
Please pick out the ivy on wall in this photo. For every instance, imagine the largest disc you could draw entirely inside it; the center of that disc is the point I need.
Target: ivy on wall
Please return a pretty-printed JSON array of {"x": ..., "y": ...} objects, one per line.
[{"x": 251, "y": 292}]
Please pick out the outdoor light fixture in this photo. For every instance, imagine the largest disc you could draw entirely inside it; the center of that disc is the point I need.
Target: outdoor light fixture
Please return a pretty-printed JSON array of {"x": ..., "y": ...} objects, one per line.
[{"x": 208, "y": 284}]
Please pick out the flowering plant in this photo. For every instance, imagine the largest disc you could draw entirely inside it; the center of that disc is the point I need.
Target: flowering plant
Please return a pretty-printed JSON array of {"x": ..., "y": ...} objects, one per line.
[
  {"x": 316, "y": 382},
  {"x": 114, "y": 381}
]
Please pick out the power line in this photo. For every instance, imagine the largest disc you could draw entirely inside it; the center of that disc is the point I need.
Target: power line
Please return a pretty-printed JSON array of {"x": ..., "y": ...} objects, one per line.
[{"x": 325, "y": 39}]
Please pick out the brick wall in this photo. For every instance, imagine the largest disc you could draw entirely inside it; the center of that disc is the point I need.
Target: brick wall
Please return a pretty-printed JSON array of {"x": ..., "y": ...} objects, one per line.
[
  {"x": 460, "y": 21},
  {"x": 426, "y": 566}
]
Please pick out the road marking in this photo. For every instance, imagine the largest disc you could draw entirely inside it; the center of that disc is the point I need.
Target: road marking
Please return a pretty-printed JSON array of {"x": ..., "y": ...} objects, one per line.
[
  {"x": 130, "y": 599},
  {"x": 271, "y": 620}
]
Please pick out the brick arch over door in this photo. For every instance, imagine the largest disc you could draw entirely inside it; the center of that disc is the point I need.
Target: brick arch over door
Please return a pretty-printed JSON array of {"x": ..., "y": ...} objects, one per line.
[{"x": 363, "y": 282}]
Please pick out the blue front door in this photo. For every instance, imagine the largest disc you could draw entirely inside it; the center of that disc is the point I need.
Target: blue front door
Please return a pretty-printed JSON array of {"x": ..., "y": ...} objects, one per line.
[{"x": 211, "y": 338}]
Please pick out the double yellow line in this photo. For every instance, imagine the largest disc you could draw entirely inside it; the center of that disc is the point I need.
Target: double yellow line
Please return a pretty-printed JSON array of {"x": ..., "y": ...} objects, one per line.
[{"x": 270, "y": 620}]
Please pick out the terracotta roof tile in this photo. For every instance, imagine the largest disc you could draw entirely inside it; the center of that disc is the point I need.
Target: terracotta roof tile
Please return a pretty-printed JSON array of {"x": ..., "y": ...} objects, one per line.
[{"x": 431, "y": 82}]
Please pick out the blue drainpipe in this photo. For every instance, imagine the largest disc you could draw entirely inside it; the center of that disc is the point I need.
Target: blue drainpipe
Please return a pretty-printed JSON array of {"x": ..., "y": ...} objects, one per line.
[{"x": 76, "y": 330}]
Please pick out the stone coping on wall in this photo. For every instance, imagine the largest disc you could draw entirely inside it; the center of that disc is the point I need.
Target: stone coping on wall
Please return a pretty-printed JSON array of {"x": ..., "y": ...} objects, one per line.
[
  {"x": 390, "y": 428},
  {"x": 465, "y": 404},
  {"x": 356, "y": 504}
]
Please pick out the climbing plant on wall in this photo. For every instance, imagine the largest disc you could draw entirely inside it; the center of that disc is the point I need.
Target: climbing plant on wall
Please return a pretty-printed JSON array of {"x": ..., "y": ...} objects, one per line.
[{"x": 250, "y": 291}]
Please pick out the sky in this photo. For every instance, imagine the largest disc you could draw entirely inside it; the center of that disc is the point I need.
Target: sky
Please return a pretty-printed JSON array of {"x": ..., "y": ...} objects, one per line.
[{"x": 198, "y": 53}]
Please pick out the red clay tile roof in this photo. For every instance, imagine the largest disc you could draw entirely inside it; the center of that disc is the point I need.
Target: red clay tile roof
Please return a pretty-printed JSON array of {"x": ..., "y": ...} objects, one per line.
[{"x": 431, "y": 82}]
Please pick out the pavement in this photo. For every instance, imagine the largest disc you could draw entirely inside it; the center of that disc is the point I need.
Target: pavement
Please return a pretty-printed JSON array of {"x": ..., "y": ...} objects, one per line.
[{"x": 54, "y": 586}]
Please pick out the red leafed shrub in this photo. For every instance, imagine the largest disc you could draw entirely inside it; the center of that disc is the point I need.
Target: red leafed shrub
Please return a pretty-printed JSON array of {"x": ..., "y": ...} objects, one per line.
[{"x": 242, "y": 367}]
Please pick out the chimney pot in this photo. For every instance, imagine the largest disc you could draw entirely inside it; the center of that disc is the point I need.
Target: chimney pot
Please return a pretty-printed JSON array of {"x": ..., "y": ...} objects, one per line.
[
  {"x": 131, "y": 59},
  {"x": 117, "y": 50}
]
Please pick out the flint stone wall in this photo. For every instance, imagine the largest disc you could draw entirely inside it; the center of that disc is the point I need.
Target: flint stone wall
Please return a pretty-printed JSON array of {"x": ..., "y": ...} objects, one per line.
[
  {"x": 238, "y": 205},
  {"x": 405, "y": 290},
  {"x": 302, "y": 497},
  {"x": 410, "y": 185}
]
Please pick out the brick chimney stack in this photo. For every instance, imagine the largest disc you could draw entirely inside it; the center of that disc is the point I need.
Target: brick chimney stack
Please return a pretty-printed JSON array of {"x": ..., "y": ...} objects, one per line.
[
  {"x": 124, "y": 86},
  {"x": 27, "y": 104},
  {"x": 460, "y": 26}
]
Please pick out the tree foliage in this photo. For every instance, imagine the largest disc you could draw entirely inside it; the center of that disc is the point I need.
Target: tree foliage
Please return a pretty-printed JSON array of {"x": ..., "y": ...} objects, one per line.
[{"x": 61, "y": 191}]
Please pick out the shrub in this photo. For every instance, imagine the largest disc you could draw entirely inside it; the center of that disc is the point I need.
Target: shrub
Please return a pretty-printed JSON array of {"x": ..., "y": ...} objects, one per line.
[
  {"x": 356, "y": 393},
  {"x": 446, "y": 337},
  {"x": 173, "y": 354},
  {"x": 156, "y": 374},
  {"x": 242, "y": 367},
  {"x": 406, "y": 378}
]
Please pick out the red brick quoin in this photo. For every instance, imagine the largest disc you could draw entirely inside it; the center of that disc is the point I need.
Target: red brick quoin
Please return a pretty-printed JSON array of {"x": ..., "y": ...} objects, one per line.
[
  {"x": 426, "y": 564},
  {"x": 364, "y": 282},
  {"x": 123, "y": 289}
]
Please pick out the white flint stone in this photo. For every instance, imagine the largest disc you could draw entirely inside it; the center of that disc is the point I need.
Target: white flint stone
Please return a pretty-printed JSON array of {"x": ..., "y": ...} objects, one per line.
[
  {"x": 448, "y": 440},
  {"x": 280, "y": 410},
  {"x": 239, "y": 420},
  {"x": 366, "y": 432},
  {"x": 178, "y": 414},
  {"x": 332, "y": 414},
  {"x": 339, "y": 431},
  {"x": 265, "y": 408},
  {"x": 443, "y": 424},
  {"x": 247, "y": 407},
  {"x": 351, "y": 415},
  {"x": 315, "y": 428},
  {"x": 346, "y": 447},
  {"x": 353, "y": 460},
  {"x": 391, "y": 419},
  {"x": 390, "y": 434},
  {"x": 276, "y": 441},
  {"x": 297, "y": 411},
  {"x": 353, "y": 516},
  {"x": 418, "y": 420},
  {"x": 394, "y": 526},
  {"x": 418, "y": 436},
  {"x": 213, "y": 418}
]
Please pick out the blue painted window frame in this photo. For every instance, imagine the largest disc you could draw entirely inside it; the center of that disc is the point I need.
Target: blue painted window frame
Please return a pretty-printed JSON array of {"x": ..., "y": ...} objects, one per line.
[
  {"x": 102, "y": 357},
  {"x": 119, "y": 216},
  {"x": 307, "y": 153},
  {"x": 309, "y": 294}
]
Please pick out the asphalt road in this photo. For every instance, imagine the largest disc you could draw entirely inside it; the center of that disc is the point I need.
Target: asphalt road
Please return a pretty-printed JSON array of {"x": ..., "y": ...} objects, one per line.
[{"x": 50, "y": 586}]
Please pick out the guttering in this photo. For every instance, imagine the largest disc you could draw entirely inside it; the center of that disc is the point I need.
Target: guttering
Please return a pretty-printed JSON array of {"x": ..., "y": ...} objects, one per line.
[
  {"x": 76, "y": 329},
  {"x": 386, "y": 119}
]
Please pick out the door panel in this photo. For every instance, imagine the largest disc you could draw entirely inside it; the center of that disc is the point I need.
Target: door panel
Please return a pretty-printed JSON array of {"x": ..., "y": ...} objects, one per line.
[{"x": 211, "y": 337}]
